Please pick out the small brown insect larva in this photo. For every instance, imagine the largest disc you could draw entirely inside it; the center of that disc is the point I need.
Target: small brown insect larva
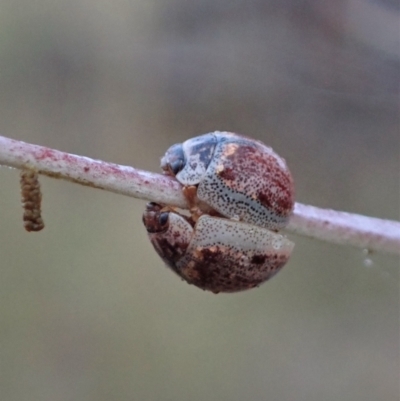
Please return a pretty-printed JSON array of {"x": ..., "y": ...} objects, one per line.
[{"x": 31, "y": 200}]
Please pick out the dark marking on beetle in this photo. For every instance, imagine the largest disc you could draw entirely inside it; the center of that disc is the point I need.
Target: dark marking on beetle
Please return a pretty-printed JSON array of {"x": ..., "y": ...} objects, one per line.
[
  {"x": 265, "y": 199},
  {"x": 202, "y": 146},
  {"x": 258, "y": 259},
  {"x": 173, "y": 160},
  {"x": 170, "y": 253},
  {"x": 227, "y": 174}
]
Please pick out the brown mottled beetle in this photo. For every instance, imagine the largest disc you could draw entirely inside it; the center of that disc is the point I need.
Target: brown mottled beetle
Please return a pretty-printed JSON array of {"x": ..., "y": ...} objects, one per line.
[
  {"x": 216, "y": 254},
  {"x": 239, "y": 190},
  {"x": 238, "y": 177}
]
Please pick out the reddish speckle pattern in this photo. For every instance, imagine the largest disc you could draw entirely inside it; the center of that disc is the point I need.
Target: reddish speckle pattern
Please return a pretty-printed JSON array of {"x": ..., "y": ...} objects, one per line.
[
  {"x": 170, "y": 240},
  {"x": 248, "y": 181},
  {"x": 217, "y": 254},
  {"x": 46, "y": 153},
  {"x": 229, "y": 256},
  {"x": 238, "y": 177},
  {"x": 241, "y": 179}
]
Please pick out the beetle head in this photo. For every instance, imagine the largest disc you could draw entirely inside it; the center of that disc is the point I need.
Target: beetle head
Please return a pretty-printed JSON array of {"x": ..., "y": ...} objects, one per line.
[
  {"x": 189, "y": 161},
  {"x": 155, "y": 219},
  {"x": 174, "y": 160}
]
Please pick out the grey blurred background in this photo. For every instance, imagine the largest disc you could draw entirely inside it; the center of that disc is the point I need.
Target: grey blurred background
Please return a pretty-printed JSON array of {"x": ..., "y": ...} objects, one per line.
[{"x": 87, "y": 309}]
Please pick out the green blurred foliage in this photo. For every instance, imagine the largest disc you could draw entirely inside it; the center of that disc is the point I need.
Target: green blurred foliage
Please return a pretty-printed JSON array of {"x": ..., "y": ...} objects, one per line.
[{"x": 88, "y": 311}]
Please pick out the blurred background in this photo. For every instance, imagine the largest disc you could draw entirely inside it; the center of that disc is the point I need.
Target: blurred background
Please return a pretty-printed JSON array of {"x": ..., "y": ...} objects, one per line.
[{"x": 87, "y": 310}]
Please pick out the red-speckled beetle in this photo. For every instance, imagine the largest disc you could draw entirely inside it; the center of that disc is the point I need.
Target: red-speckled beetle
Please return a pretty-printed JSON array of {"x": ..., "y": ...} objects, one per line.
[
  {"x": 239, "y": 190},
  {"x": 216, "y": 254},
  {"x": 238, "y": 177}
]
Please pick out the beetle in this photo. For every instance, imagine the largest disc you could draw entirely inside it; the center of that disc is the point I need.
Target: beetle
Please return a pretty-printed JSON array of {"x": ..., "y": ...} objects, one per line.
[
  {"x": 214, "y": 253},
  {"x": 235, "y": 176},
  {"x": 240, "y": 192}
]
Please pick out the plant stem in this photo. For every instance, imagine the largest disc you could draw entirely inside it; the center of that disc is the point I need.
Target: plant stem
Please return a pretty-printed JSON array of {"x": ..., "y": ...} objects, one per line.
[{"x": 328, "y": 225}]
